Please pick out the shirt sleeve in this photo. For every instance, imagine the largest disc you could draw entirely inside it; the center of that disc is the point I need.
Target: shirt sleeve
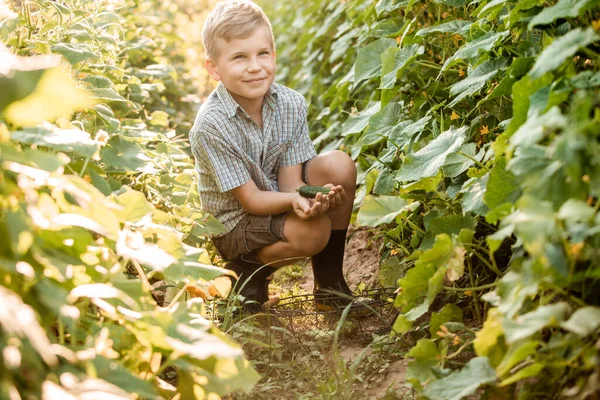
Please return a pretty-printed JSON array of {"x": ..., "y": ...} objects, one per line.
[
  {"x": 302, "y": 148},
  {"x": 220, "y": 159}
]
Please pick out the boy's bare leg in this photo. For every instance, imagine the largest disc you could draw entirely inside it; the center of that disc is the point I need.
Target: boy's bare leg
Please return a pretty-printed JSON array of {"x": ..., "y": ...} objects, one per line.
[
  {"x": 304, "y": 239},
  {"x": 338, "y": 168}
]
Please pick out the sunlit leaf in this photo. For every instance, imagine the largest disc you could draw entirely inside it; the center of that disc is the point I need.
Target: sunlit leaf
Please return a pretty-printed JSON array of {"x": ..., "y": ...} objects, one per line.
[
  {"x": 561, "y": 49},
  {"x": 44, "y": 105},
  {"x": 462, "y": 383},
  {"x": 427, "y": 161}
]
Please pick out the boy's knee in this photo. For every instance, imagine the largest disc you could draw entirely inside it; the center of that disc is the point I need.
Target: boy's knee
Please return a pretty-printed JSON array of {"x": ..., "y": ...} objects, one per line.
[{"x": 342, "y": 166}]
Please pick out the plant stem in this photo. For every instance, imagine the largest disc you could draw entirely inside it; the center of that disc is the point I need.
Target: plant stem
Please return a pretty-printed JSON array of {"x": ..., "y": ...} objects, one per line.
[
  {"x": 493, "y": 266},
  {"x": 471, "y": 289},
  {"x": 85, "y": 164},
  {"x": 474, "y": 160},
  {"x": 475, "y": 296}
]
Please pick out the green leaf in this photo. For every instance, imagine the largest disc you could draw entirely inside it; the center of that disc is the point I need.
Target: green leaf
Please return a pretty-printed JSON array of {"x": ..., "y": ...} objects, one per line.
[
  {"x": 423, "y": 282},
  {"x": 517, "y": 354},
  {"x": 527, "y": 372},
  {"x": 74, "y": 53},
  {"x": 43, "y": 104},
  {"x": 531, "y": 323},
  {"x": 394, "y": 60},
  {"x": 382, "y": 124},
  {"x": 456, "y": 163},
  {"x": 389, "y": 5},
  {"x": 385, "y": 183},
  {"x": 402, "y": 134},
  {"x": 537, "y": 126},
  {"x": 427, "y": 161},
  {"x": 401, "y": 325},
  {"x": 462, "y": 383},
  {"x": 502, "y": 186},
  {"x": 449, "y": 312},
  {"x": 107, "y": 94},
  {"x": 69, "y": 140},
  {"x": 124, "y": 155},
  {"x": 356, "y": 123},
  {"x": 476, "y": 80},
  {"x": 584, "y": 321},
  {"x": 368, "y": 59},
  {"x": 135, "y": 205},
  {"x": 448, "y": 224},
  {"x": 486, "y": 339},
  {"x": 562, "y": 9},
  {"x": 454, "y": 27},
  {"x": 471, "y": 49},
  {"x": 424, "y": 356},
  {"x": 562, "y": 49},
  {"x": 426, "y": 184},
  {"x": 377, "y": 210}
]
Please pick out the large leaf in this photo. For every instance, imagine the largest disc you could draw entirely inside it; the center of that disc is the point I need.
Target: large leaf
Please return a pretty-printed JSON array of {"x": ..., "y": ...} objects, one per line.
[
  {"x": 471, "y": 49},
  {"x": 476, "y": 80},
  {"x": 453, "y": 27},
  {"x": 462, "y": 383},
  {"x": 423, "y": 282},
  {"x": 584, "y": 321},
  {"x": 383, "y": 124},
  {"x": 562, "y": 49},
  {"x": 74, "y": 53},
  {"x": 427, "y": 161},
  {"x": 368, "y": 59},
  {"x": 448, "y": 224},
  {"x": 377, "y": 210},
  {"x": 502, "y": 186},
  {"x": 562, "y": 9},
  {"x": 44, "y": 104},
  {"x": 356, "y": 123},
  {"x": 68, "y": 140},
  {"x": 531, "y": 323},
  {"x": 394, "y": 60},
  {"x": 537, "y": 126}
]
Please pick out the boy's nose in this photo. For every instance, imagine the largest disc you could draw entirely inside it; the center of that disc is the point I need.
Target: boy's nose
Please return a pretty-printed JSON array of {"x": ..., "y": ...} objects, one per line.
[{"x": 253, "y": 65}]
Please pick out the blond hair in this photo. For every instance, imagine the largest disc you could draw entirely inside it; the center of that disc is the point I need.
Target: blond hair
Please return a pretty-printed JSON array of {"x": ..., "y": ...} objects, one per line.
[{"x": 232, "y": 19}]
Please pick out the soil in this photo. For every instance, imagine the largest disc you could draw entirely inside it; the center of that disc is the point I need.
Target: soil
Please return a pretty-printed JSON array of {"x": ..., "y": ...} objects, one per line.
[
  {"x": 361, "y": 260},
  {"x": 361, "y": 265}
]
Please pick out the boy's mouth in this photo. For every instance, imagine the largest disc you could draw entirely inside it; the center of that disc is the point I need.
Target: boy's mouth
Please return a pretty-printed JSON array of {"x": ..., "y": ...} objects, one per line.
[{"x": 255, "y": 80}]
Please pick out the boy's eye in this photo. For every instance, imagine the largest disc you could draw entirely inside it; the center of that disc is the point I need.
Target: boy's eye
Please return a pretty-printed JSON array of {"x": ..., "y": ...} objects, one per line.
[
  {"x": 238, "y": 57},
  {"x": 263, "y": 53}
]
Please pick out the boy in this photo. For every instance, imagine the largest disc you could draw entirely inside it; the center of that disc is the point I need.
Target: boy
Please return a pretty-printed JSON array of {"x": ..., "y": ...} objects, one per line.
[{"x": 252, "y": 150}]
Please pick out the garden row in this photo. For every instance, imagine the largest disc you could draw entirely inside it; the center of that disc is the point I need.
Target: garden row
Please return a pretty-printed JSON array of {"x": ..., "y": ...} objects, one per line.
[{"x": 476, "y": 128}]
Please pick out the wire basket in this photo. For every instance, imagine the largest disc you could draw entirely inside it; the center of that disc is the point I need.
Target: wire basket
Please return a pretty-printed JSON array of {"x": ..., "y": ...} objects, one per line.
[{"x": 371, "y": 313}]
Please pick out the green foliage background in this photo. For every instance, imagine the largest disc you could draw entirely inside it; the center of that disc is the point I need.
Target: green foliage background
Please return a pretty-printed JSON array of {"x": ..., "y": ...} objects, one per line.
[
  {"x": 99, "y": 204},
  {"x": 475, "y": 125}
]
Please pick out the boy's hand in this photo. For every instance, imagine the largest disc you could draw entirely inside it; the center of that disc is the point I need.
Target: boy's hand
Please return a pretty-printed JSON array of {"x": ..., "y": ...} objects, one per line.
[
  {"x": 337, "y": 196},
  {"x": 307, "y": 209}
]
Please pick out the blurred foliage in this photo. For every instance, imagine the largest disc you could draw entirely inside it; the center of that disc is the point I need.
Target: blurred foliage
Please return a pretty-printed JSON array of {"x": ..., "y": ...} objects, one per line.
[
  {"x": 99, "y": 202},
  {"x": 475, "y": 126}
]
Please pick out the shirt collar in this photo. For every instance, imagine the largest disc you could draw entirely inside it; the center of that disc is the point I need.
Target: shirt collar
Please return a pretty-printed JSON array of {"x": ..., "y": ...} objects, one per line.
[{"x": 231, "y": 106}]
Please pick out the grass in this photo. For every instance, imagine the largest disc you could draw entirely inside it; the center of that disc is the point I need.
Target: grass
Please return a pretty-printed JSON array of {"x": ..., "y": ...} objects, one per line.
[{"x": 303, "y": 368}]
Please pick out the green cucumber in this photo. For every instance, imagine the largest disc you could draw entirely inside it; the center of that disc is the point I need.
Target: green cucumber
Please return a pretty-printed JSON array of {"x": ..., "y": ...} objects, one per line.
[{"x": 310, "y": 192}]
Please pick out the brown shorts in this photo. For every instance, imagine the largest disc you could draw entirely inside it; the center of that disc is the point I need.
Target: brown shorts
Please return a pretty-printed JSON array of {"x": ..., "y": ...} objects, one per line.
[{"x": 254, "y": 232}]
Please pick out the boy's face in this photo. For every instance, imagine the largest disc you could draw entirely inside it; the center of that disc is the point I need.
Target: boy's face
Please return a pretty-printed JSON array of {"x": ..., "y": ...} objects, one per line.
[{"x": 245, "y": 66}]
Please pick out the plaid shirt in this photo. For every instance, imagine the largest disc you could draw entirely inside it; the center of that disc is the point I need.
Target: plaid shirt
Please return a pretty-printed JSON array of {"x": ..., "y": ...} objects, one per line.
[{"x": 230, "y": 148}]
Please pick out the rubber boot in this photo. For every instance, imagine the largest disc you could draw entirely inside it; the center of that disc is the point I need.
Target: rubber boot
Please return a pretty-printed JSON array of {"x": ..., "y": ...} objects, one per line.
[
  {"x": 328, "y": 271},
  {"x": 253, "y": 281}
]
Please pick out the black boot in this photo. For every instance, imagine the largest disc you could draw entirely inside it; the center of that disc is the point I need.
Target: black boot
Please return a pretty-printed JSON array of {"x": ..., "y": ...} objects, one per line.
[
  {"x": 253, "y": 281},
  {"x": 328, "y": 271}
]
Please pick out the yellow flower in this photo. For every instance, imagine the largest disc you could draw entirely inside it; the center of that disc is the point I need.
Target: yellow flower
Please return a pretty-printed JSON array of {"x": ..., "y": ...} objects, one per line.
[
  {"x": 454, "y": 116},
  {"x": 484, "y": 130}
]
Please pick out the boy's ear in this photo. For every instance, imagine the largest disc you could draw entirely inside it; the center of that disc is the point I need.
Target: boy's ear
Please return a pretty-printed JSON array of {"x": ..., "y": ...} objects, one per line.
[{"x": 211, "y": 68}]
